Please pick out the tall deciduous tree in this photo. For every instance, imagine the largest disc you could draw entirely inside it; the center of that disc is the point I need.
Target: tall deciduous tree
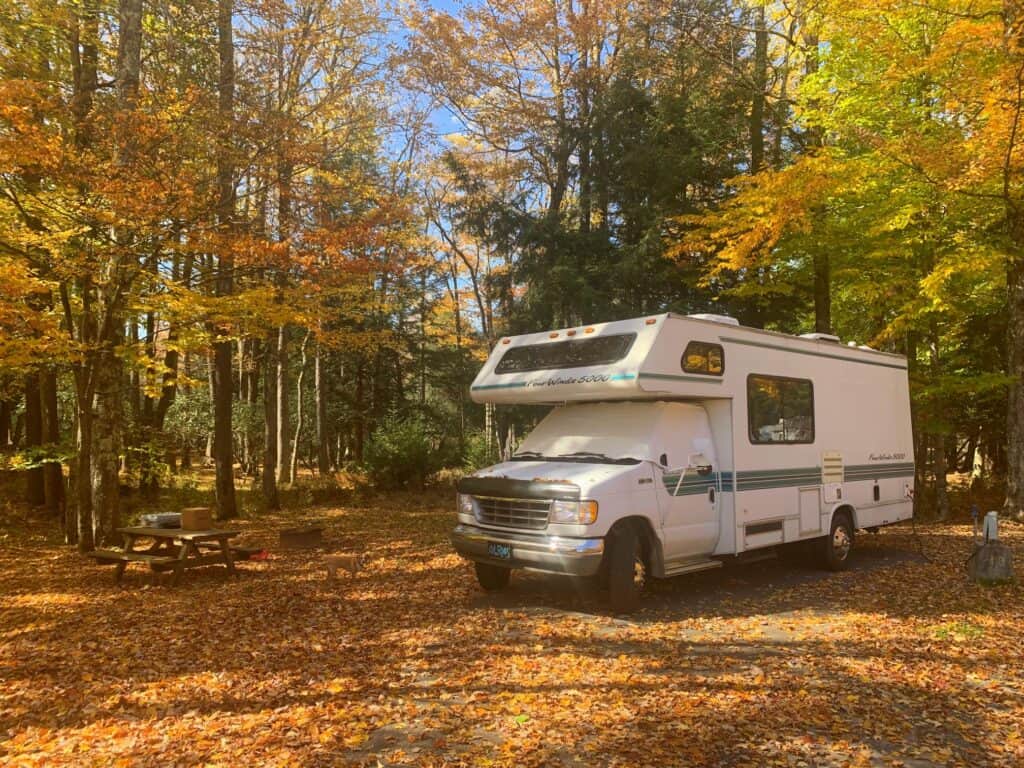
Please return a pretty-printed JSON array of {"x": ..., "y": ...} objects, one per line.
[{"x": 223, "y": 381}]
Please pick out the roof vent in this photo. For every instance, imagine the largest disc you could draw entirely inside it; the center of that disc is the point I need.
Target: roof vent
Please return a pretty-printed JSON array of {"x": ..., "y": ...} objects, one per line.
[
  {"x": 724, "y": 319},
  {"x": 820, "y": 337}
]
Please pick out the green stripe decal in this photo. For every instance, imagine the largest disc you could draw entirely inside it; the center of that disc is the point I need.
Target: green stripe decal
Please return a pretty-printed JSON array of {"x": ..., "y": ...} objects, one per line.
[
  {"x": 812, "y": 353},
  {"x": 513, "y": 385},
  {"x": 791, "y": 477}
]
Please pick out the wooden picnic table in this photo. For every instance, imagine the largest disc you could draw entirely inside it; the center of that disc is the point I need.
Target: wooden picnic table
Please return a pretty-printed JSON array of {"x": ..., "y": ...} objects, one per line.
[{"x": 171, "y": 549}]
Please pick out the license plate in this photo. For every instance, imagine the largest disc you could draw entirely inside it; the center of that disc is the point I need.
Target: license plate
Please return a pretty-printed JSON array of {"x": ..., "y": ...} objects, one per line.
[{"x": 500, "y": 551}]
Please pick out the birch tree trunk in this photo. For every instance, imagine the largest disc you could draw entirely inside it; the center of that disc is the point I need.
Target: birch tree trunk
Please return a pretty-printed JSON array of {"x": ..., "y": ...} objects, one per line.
[
  {"x": 283, "y": 426},
  {"x": 323, "y": 459},
  {"x": 293, "y": 466}
]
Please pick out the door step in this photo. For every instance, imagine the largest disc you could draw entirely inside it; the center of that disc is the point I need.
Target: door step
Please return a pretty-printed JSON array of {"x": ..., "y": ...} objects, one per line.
[{"x": 677, "y": 569}]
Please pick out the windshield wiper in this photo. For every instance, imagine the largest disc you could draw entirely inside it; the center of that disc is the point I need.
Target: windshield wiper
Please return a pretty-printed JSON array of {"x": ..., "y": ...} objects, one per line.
[
  {"x": 527, "y": 455},
  {"x": 580, "y": 457},
  {"x": 601, "y": 457}
]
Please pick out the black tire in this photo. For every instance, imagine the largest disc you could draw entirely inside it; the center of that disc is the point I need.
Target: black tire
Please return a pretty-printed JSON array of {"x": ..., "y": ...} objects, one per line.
[
  {"x": 627, "y": 570},
  {"x": 493, "y": 578},
  {"x": 836, "y": 547}
]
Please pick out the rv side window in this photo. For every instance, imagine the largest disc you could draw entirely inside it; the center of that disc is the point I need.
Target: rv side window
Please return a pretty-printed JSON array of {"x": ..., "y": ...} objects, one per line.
[
  {"x": 780, "y": 409},
  {"x": 701, "y": 357},
  {"x": 577, "y": 353}
]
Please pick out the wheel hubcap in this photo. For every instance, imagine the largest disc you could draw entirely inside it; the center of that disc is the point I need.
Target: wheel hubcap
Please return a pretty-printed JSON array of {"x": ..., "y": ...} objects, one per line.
[
  {"x": 639, "y": 570},
  {"x": 841, "y": 542}
]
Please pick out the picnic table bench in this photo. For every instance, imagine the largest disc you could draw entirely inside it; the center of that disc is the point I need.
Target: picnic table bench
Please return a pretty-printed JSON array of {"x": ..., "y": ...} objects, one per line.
[{"x": 173, "y": 549}]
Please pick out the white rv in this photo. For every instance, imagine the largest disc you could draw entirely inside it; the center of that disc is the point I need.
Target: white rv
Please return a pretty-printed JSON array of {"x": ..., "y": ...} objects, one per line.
[{"x": 678, "y": 441}]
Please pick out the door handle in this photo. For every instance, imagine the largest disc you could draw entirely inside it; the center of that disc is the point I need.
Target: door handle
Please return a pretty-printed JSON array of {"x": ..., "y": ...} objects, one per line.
[{"x": 711, "y": 495}]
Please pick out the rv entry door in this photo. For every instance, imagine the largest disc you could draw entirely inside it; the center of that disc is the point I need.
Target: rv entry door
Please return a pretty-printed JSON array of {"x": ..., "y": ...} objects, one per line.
[{"x": 689, "y": 496}]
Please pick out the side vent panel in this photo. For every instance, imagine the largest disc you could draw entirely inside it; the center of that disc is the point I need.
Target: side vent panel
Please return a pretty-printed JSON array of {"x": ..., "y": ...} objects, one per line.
[{"x": 833, "y": 474}]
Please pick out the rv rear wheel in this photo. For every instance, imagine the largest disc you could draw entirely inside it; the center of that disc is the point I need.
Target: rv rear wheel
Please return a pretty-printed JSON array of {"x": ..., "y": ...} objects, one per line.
[
  {"x": 627, "y": 569},
  {"x": 839, "y": 543},
  {"x": 492, "y": 577}
]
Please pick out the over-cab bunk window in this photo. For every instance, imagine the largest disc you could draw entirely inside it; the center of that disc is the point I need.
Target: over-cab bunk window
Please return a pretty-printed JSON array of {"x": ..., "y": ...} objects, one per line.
[
  {"x": 702, "y": 357},
  {"x": 780, "y": 409},
  {"x": 572, "y": 353}
]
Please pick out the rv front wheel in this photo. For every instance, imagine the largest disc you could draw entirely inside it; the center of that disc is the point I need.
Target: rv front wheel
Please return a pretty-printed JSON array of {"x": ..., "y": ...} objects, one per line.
[
  {"x": 627, "y": 569},
  {"x": 492, "y": 577},
  {"x": 839, "y": 543}
]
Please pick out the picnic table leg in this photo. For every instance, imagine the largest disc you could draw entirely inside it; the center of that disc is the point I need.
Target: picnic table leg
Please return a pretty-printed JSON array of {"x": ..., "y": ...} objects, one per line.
[
  {"x": 229, "y": 559},
  {"x": 179, "y": 566},
  {"x": 129, "y": 543}
]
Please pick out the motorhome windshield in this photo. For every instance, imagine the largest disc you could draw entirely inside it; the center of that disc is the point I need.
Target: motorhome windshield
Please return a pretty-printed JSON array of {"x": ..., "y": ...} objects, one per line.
[
  {"x": 598, "y": 433},
  {"x": 572, "y": 353}
]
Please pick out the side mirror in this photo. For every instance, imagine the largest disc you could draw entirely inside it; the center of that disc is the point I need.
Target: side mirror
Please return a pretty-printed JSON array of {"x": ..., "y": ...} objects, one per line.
[
  {"x": 663, "y": 459},
  {"x": 699, "y": 462}
]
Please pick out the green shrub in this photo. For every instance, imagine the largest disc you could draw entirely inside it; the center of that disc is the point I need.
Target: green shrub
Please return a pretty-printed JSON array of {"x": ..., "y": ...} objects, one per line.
[
  {"x": 402, "y": 453},
  {"x": 477, "y": 454}
]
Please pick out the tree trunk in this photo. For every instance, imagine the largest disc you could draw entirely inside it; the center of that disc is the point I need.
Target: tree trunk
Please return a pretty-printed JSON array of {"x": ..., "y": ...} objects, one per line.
[
  {"x": 822, "y": 293},
  {"x": 108, "y": 373},
  {"x": 322, "y": 454},
  {"x": 35, "y": 489},
  {"x": 270, "y": 495},
  {"x": 1014, "y": 505},
  {"x": 283, "y": 426},
  {"x": 106, "y": 447},
  {"x": 84, "y": 69},
  {"x": 939, "y": 439},
  {"x": 757, "y": 95},
  {"x": 821, "y": 264},
  {"x": 129, "y": 50},
  {"x": 52, "y": 470},
  {"x": 293, "y": 466},
  {"x": 83, "y": 479},
  {"x": 360, "y": 420},
  {"x": 223, "y": 385},
  {"x": 6, "y": 408}
]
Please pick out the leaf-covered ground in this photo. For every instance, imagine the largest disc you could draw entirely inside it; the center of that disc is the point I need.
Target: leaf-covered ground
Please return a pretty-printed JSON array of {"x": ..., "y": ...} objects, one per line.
[{"x": 900, "y": 661}]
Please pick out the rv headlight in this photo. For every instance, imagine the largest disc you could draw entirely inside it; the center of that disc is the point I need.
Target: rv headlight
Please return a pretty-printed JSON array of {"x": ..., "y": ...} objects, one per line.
[
  {"x": 465, "y": 504},
  {"x": 574, "y": 512}
]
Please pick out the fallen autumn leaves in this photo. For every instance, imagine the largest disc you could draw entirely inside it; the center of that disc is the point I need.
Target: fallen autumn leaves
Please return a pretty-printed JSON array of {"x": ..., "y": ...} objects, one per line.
[{"x": 897, "y": 662}]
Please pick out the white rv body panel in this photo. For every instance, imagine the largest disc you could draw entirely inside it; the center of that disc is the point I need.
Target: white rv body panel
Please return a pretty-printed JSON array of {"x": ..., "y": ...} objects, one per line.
[{"x": 716, "y": 474}]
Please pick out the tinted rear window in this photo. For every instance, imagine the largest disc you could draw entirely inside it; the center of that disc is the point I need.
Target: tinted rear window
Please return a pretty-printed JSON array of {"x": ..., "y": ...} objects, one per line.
[{"x": 572, "y": 353}]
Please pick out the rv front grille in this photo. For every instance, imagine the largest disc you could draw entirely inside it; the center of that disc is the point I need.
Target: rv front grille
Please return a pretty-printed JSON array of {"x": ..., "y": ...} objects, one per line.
[{"x": 512, "y": 513}]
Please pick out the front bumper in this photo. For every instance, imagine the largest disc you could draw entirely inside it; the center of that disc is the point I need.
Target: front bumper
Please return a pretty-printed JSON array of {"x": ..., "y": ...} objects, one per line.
[{"x": 539, "y": 552}]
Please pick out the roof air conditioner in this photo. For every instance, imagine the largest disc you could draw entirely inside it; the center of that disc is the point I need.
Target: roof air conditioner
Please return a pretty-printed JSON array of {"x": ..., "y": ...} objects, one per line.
[
  {"x": 724, "y": 319},
  {"x": 820, "y": 337}
]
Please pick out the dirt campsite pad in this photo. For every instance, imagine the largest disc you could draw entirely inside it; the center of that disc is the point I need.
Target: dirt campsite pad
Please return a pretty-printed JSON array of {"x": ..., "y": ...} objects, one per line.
[{"x": 899, "y": 662}]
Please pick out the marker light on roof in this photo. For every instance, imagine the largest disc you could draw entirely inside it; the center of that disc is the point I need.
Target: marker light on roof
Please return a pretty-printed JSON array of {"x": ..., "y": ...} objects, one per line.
[
  {"x": 552, "y": 335},
  {"x": 570, "y": 333},
  {"x": 588, "y": 330},
  {"x": 651, "y": 320},
  {"x": 506, "y": 341}
]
